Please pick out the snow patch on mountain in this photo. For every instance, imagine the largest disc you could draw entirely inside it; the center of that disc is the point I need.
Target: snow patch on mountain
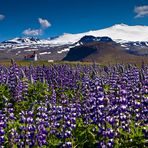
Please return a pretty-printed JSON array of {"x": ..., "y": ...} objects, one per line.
[
  {"x": 63, "y": 50},
  {"x": 43, "y": 53},
  {"x": 30, "y": 50}
]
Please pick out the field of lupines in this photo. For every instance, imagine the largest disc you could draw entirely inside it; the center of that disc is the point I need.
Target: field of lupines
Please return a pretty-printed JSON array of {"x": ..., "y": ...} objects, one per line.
[{"x": 73, "y": 106}]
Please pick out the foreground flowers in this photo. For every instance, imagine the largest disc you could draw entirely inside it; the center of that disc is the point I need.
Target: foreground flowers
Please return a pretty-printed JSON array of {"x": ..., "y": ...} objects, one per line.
[{"x": 73, "y": 106}]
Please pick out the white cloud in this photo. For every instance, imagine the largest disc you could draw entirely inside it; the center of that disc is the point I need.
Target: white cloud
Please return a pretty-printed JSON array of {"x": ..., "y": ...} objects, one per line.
[
  {"x": 141, "y": 11},
  {"x": 44, "y": 23},
  {"x": 33, "y": 32},
  {"x": 2, "y": 17}
]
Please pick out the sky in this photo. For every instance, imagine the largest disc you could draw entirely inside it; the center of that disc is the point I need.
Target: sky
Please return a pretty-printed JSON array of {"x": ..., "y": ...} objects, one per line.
[{"x": 49, "y": 18}]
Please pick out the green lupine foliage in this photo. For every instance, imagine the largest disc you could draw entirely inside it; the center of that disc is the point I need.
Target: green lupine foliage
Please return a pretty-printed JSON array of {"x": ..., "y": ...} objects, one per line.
[
  {"x": 134, "y": 139},
  {"x": 4, "y": 95}
]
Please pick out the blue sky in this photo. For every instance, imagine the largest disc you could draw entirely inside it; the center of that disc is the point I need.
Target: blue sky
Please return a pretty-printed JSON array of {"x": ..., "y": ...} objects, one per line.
[{"x": 46, "y": 18}]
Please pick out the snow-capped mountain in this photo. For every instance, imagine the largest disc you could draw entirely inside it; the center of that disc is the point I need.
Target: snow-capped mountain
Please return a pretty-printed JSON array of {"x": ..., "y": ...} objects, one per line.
[
  {"x": 119, "y": 33},
  {"x": 26, "y": 40}
]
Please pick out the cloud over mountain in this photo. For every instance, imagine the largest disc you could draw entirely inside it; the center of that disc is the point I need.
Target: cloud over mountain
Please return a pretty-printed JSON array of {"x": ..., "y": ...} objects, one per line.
[
  {"x": 2, "y": 17},
  {"x": 32, "y": 32},
  {"x": 44, "y": 23},
  {"x": 141, "y": 11}
]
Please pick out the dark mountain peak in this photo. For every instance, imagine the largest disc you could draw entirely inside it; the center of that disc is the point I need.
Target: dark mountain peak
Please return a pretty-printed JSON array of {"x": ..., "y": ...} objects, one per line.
[
  {"x": 105, "y": 39},
  {"x": 88, "y": 39},
  {"x": 84, "y": 51},
  {"x": 33, "y": 39}
]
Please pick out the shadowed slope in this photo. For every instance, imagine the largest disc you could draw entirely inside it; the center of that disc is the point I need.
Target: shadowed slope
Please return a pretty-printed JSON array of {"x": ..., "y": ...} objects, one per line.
[{"x": 104, "y": 53}]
